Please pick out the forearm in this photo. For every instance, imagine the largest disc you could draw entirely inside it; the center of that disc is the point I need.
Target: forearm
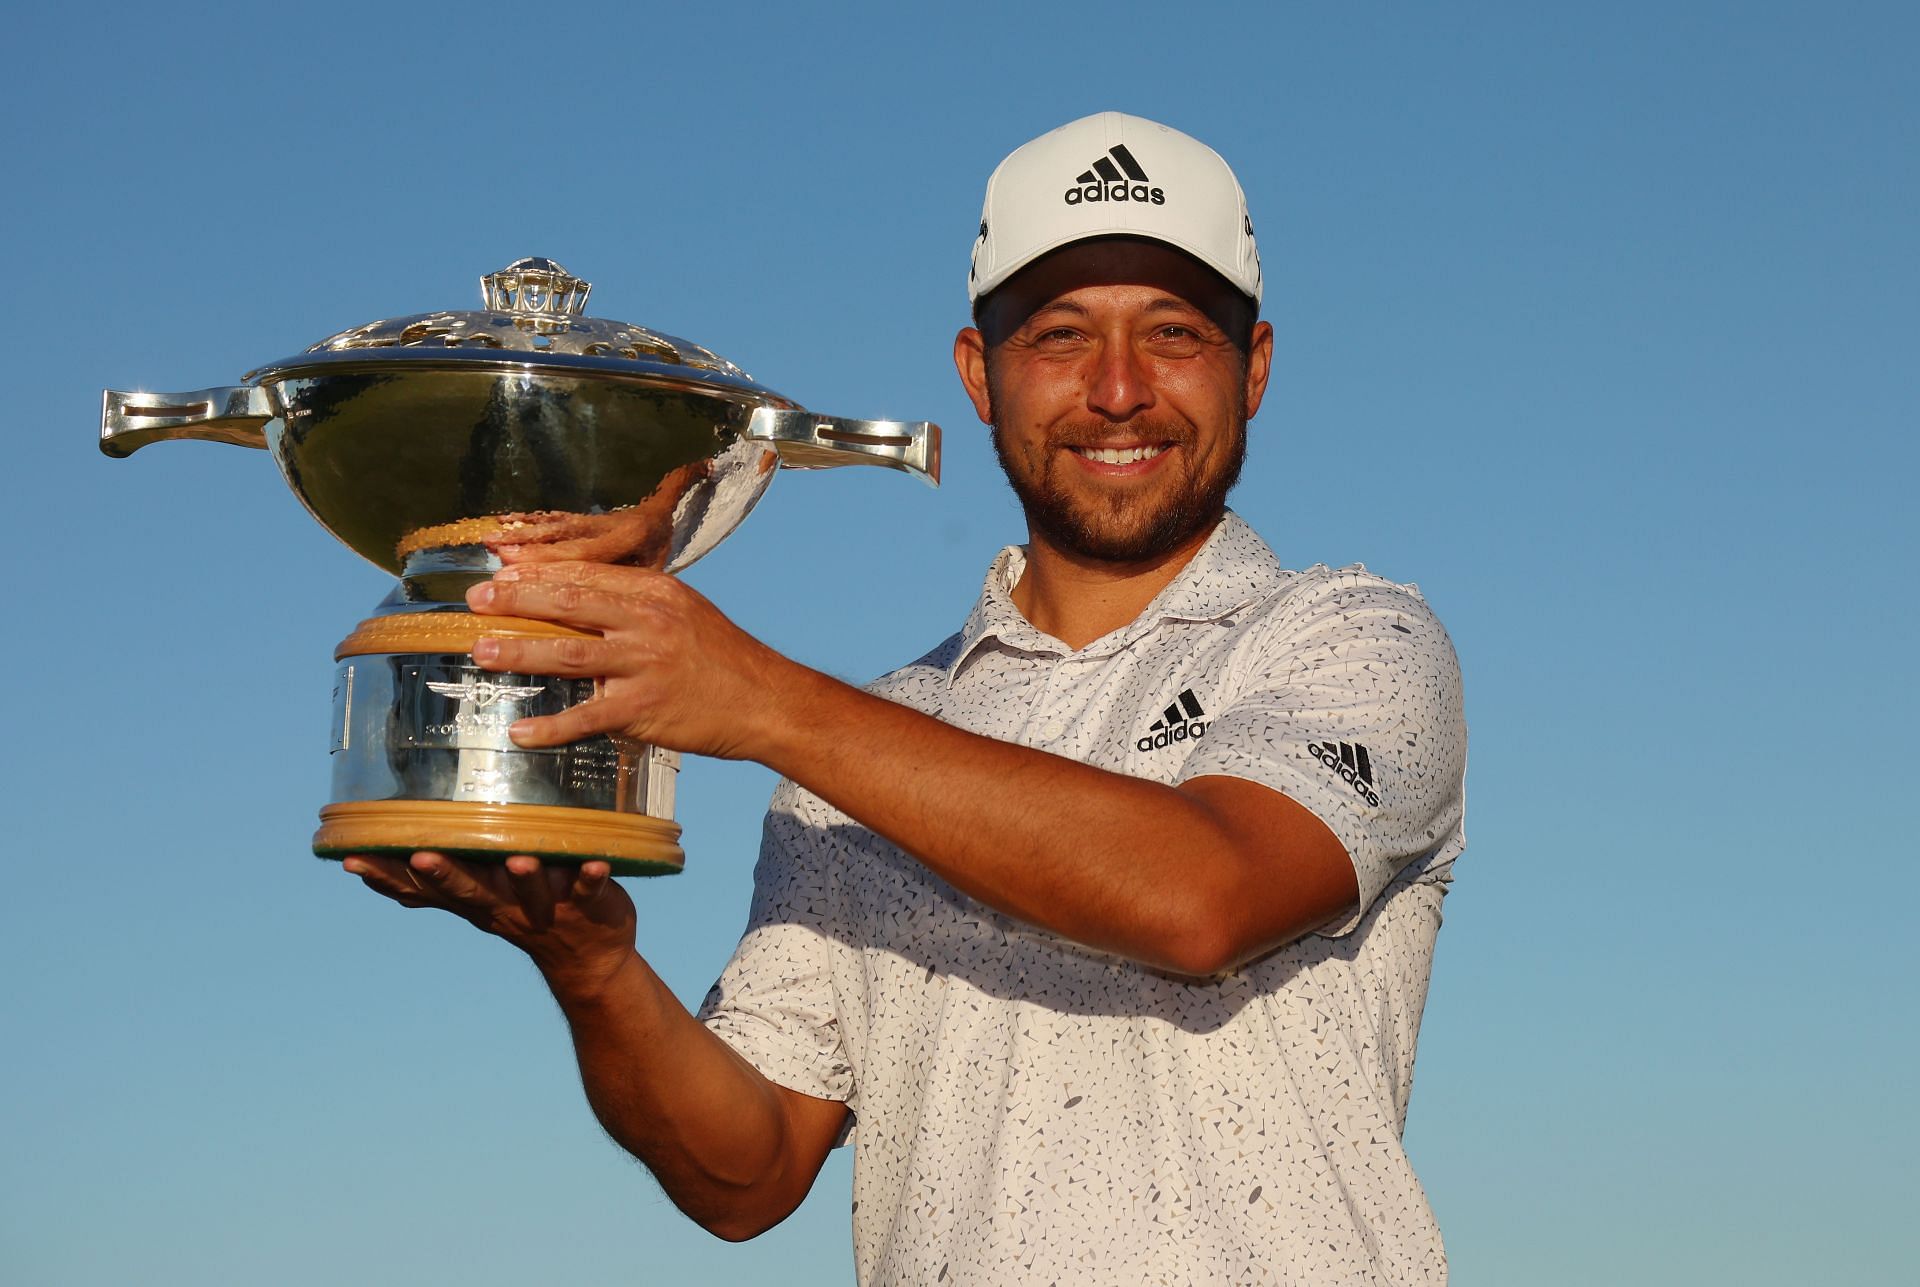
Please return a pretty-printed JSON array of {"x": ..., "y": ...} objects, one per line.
[
  {"x": 710, "y": 1127},
  {"x": 1115, "y": 862}
]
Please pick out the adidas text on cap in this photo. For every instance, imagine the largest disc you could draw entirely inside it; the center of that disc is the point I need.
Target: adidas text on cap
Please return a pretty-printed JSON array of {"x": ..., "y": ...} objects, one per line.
[{"x": 1113, "y": 175}]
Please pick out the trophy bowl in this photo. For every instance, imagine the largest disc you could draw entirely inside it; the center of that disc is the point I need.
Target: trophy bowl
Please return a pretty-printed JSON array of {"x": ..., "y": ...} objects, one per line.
[{"x": 425, "y": 443}]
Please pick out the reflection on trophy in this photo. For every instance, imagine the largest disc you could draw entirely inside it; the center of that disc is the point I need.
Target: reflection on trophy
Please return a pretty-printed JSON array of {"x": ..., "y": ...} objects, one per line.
[{"x": 427, "y": 444}]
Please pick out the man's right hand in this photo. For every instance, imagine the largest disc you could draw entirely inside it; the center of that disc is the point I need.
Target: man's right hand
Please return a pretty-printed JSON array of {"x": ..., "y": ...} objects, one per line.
[{"x": 576, "y": 923}]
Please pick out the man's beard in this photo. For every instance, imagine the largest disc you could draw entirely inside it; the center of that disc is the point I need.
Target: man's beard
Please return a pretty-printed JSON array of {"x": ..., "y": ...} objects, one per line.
[{"x": 1118, "y": 528}]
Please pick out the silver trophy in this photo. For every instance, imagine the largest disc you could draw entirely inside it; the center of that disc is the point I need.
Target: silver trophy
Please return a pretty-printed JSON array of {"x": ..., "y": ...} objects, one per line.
[{"x": 422, "y": 442}]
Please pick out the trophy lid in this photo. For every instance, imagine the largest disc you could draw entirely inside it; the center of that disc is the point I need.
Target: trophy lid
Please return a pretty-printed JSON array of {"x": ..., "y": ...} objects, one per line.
[{"x": 533, "y": 314}]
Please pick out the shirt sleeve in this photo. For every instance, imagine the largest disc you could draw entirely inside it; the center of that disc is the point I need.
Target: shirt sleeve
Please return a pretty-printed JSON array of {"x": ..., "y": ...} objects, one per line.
[
  {"x": 776, "y": 1002},
  {"x": 1351, "y": 705}
]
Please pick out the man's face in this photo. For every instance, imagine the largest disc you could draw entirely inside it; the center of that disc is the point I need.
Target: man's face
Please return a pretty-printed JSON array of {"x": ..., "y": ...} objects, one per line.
[{"x": 1119, "y": 411}]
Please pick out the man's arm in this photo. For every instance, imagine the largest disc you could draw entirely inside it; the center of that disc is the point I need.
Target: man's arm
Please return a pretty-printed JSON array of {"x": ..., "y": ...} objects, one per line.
[
  {"x": 1045, "y": 839},
  {"x": 1059, "y": 844},
  {"x": 733, "y": 1150}
]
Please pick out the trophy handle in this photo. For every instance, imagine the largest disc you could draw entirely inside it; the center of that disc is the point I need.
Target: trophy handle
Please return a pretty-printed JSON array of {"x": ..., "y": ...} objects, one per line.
[
  {"x": 129, "y": 421},
  {"x": 809, "y": 441}
]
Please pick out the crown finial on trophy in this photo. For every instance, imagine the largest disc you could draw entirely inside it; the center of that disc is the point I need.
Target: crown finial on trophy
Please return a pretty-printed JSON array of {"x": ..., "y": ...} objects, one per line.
[{"x": 535, "y": 287}]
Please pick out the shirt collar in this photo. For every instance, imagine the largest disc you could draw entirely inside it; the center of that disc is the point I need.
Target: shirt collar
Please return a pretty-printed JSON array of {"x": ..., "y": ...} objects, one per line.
[{"x": 1232, "y": 570}]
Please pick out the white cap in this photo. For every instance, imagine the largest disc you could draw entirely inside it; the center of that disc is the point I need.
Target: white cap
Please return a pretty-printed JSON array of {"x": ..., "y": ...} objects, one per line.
[{"x": 1113, "y": 175}]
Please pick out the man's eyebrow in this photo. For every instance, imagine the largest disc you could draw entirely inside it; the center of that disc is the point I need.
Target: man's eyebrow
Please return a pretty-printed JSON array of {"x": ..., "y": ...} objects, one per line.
[{"x": 1159, "y": 304}]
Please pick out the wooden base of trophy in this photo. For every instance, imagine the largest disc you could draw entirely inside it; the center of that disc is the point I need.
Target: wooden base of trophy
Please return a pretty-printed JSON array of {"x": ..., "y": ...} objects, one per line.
[{"x": 632, "y": 843}]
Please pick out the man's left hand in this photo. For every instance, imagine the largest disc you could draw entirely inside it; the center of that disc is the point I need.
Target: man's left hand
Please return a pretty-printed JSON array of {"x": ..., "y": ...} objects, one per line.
[{"x": 673, "y": 671}]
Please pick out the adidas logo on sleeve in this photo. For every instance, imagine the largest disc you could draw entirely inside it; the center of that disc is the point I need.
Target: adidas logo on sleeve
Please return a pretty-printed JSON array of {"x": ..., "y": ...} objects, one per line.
[
  {"x": 1181, "y": 721},
  {"x": 1352, "y": 763},
  {"x": 1115, "y": 176}
]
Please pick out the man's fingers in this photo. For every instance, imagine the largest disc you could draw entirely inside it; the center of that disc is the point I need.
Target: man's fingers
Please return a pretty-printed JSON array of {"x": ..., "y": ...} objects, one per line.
[
  {"x": 573, "y": 551},
  {"x": 570, "y": 725},
  {"x": 588, "y": 574},
  {"x": 589, "y": 882},
  {"x": 587, "y": 594},
  {"x": 530, "y": 886},
  {"x": 452, "y": 882},
  {"x": 581, "y": 658},
  {"x": 522, "y": 895},
  {"x": 566, "y": 601},
  {"x": 390, "y": 878}
]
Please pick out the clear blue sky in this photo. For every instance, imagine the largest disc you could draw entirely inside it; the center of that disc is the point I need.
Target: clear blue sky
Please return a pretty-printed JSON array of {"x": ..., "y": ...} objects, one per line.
[{"x": 1597, "y": 322}]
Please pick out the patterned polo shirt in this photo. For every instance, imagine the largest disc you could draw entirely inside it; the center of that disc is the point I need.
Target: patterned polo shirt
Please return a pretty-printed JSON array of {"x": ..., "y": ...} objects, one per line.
[{"x": 1030, "y": 1110}]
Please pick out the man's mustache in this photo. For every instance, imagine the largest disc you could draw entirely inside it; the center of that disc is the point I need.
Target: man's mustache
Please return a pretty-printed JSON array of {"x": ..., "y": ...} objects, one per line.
[{"x": 1105, "y": 433}]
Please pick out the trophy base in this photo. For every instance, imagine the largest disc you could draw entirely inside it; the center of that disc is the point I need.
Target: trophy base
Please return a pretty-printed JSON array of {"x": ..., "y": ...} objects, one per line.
[{"x": 632, "y": 844}]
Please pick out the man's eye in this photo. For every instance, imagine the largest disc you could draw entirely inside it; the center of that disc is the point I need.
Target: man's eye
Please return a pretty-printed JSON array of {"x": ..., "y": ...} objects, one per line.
[{"x": 1176, "y": 338}]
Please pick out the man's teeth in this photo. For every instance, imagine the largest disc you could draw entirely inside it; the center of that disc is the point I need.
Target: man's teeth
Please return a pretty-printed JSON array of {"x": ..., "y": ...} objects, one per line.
[{"x": 1119, "y": 455}]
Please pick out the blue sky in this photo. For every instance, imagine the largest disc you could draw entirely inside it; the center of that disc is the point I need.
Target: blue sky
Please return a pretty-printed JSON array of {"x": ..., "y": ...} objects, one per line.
[{"x": 1597, "y": 323}]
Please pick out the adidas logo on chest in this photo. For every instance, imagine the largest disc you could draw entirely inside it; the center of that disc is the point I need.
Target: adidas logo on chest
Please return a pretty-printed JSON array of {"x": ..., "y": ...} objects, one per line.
[
  {"x": 1116, "y": 176},
  {"x": 1182, "y": 721}
]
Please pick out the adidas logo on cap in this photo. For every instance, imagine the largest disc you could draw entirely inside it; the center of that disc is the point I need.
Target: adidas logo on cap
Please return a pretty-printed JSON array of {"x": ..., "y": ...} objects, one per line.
[{"x": 1117, "y": 176}]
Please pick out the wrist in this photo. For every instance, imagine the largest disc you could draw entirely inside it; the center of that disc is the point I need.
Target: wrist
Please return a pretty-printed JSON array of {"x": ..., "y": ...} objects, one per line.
[
  {"x": 788, "y": 713},
  {"x": 579, "y": 983}
]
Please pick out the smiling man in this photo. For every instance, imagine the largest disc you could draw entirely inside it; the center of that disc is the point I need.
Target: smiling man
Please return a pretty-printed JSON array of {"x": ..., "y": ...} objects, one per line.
[{"x": 1103, "y": 929}]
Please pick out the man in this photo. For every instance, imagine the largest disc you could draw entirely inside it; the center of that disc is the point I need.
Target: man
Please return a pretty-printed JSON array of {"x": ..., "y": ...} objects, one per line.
[{"x": 1105, "y": 927}]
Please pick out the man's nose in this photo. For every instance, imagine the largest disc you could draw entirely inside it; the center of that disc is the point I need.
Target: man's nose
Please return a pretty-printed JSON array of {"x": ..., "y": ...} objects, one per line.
[{"x": 1119, "y": 386}]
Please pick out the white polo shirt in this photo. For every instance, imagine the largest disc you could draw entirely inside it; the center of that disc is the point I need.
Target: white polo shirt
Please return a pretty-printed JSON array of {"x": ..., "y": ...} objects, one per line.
[{"x": 1029, "y": 1110}]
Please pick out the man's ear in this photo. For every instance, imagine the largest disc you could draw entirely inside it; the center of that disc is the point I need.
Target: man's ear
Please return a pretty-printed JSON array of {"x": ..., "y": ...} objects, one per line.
[
  {"x": 1259, "y": 365},
  {"x": 970, "y": 360}
]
